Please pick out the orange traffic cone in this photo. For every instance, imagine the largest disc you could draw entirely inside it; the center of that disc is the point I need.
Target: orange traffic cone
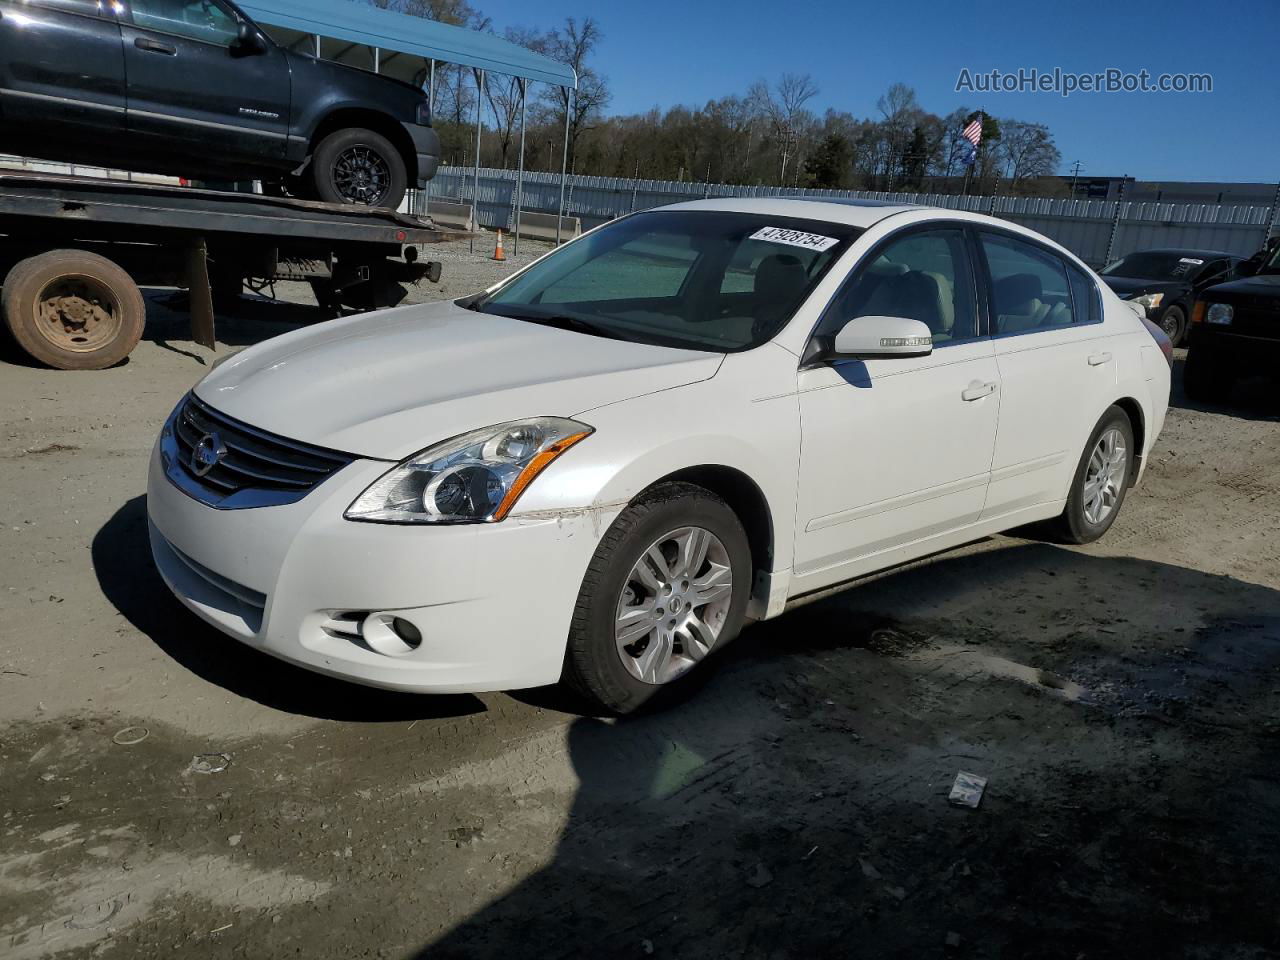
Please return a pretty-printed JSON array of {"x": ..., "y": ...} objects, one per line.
[{"x": 498, "y": 252}]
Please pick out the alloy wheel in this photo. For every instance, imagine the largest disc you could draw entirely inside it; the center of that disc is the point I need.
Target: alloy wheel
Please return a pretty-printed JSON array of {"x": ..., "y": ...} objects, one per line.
[
  {"x": 361, "y": 175},
  {"x": 1105, "y": 476},
  {"x": 673, "y": 605}
]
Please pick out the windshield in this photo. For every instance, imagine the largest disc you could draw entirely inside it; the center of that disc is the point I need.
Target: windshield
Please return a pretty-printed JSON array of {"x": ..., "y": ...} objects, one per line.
[
  {"x": 1154, "y": 265},
  {"x": 703, "y": 280},
  {"x": 1272, "y": 263}
]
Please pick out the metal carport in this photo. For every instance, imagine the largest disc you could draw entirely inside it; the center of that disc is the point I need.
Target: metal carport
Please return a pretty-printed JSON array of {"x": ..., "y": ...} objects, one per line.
[{"x": 407, "y": 48}]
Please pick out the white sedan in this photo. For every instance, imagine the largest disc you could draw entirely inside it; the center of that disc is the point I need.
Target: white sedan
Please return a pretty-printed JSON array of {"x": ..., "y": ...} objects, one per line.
[{"x": 599, "y": 469}]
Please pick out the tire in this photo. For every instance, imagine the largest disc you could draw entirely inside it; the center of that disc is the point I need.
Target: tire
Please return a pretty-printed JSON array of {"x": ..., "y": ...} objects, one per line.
[
  {"x": 73, "y": 310},
  {"x": 594, "y": 660},
  {"x": 1205, "y": 377},
  {"x": 1174, "y": 324},
  {"x": 358, "y": 166},
  {"x": 1078, "y": 523}
]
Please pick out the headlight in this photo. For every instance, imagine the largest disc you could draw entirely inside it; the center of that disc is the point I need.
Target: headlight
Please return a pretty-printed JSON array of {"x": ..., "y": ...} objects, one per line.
[
  {"x": 1150, "y": 300},
  {"x": 1219, "y": 313},
  {"x": 423, "y": 113},
  {"x": 473, "y": 478}
]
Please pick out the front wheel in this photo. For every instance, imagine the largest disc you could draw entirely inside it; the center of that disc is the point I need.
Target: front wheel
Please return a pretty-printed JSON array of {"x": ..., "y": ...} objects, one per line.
[
  {"x": 1174, "y": 324},
  {"x": 359, "y": 166},
  {"x": 666, "y": 591},
  {"x": 1101, "y": 479}
]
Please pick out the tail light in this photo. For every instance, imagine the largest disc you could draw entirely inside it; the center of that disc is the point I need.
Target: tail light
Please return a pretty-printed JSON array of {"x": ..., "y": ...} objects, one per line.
[{"x": 1162, "y": 340}]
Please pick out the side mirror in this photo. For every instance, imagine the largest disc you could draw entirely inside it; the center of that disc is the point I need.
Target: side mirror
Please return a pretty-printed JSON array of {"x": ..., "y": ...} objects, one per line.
[
  {"x": 882, "y": 337},
  {"x": 249, "y": 41}
]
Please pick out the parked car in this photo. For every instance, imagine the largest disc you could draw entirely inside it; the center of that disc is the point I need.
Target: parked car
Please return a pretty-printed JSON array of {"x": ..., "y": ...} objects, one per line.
[
  {"x": 194, "y": 87},
  {"x": 598, "y": 469},
  {"x": 1235, "y": 330},
  {"x": 1165, "y": 283}
]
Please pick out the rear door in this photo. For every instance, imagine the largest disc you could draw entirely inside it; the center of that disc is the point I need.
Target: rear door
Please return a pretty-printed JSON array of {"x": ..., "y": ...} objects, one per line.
[
  {"x": 61, "y": 70},
  {"x": 192, "y": 89},
  {"x": 1058, "y": 369}
]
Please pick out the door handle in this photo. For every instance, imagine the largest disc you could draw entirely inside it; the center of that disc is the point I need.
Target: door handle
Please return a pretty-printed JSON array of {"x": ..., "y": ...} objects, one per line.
[
  {"x": 1098, "y": 359},
  {"x": 977, "y": 390},
  {"x": 155, "y": 46}
]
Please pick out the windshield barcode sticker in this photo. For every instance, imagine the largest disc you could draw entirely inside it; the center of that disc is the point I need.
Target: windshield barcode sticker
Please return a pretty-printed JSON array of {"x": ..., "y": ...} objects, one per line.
[
  {"x": 1191, "y": 260},
  {"x": 794, "y": 238}
]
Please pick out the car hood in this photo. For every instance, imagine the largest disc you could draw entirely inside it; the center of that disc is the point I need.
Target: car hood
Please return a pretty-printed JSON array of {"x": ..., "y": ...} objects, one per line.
[
  {"x": 1262, "y": 290},
  {"x": 385, "y": 385},
  {"x": 1129, "y": 287}
]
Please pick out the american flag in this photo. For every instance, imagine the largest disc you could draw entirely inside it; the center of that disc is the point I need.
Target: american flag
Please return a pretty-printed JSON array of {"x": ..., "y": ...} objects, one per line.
[{"x": 973, "y": 132}]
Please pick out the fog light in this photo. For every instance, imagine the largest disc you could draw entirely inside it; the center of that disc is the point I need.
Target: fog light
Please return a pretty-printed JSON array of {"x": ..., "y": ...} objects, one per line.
[
  {"x": 390, "y": 635},
  {"x": 407, "y": 632}
]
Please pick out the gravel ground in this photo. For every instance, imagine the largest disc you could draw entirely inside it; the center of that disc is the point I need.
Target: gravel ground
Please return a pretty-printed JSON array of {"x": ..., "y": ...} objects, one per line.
[{"x": 1122, "y": 699}]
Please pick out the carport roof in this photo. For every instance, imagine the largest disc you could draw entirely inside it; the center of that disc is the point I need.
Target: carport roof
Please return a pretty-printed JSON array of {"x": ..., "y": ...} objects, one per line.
[{"x": 370, "y": 26}]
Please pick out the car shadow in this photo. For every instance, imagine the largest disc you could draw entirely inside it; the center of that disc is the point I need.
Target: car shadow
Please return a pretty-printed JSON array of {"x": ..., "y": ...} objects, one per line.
[
  {"x": 798, "y": 806},
  {"x": 121, "y": 553}
]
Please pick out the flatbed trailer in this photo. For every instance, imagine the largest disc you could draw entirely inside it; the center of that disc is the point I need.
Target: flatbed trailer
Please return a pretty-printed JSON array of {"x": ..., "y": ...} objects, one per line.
[{"x": 75, "y": 250}]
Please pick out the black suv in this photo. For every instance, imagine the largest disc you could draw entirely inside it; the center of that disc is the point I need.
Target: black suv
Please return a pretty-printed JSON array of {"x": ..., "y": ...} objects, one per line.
[
  {"x": 1235, "y": 328},
  {"x": 195, "y": 88}
]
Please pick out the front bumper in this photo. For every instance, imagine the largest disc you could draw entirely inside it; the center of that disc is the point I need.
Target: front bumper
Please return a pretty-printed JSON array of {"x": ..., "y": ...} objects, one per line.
[
  {"x": 426, "y": 145},
  {"x": 1244, "y": 353},
  {"x": 492, "y": 601}
]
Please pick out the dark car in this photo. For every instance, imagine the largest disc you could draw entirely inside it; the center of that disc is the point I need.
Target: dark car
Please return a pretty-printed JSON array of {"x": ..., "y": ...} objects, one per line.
[
  {"x": 1165, "y": 282},
  {"x": 195, "y": 88},
  {"x": 1235, "y": 329}
]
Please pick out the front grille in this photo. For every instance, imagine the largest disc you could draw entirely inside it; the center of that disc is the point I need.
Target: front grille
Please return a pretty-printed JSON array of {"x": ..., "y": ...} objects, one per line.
[{"x": 256, "y": 468}]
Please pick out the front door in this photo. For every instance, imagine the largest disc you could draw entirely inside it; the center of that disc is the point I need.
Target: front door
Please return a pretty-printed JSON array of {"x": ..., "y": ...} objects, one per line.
[
  {"x": 61, "y": 75},
  {"x": 897, "y": 451},
  {"x": 193, "y": 91}
]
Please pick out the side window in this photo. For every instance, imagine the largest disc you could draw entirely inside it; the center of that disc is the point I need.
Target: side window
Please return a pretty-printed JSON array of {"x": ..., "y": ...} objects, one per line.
[
  {"x": 1084, "y": 296},
  {"x": 924, "y": 276},
  {"x": 198, "y": 19},
  {"x": 90, "y": 8},
  {"x": 1029, "y": 289}
]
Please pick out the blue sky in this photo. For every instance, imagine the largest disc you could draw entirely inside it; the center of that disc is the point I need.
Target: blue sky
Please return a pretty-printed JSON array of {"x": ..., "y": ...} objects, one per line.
[{"x": 662, "y": 52}]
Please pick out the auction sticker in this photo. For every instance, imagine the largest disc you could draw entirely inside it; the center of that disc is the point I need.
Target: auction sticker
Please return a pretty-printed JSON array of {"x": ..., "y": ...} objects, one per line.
[{"x": 794, "y": 238}]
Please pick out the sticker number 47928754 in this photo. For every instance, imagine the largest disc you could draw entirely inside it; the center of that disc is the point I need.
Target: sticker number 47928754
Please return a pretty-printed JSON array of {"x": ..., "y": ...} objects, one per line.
[{"x": 795, "y": 238}]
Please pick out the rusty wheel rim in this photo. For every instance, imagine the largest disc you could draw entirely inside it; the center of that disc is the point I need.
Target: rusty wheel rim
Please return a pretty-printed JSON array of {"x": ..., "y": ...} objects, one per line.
[{"x": 78, "y": 313}]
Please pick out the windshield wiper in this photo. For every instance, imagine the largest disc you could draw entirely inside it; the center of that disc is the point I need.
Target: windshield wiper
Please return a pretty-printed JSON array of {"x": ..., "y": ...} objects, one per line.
[{"x": 565, "y": 322}]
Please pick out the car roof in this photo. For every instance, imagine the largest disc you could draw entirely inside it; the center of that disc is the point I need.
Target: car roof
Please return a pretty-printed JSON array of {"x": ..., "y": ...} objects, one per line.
[
  {"x": 851, "y": 211},
  {"x": 1187, "y": 252}
]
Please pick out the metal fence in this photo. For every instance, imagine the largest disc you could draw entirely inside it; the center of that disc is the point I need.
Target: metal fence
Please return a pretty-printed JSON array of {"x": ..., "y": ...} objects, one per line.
[{"x": 1089, "y": 228}]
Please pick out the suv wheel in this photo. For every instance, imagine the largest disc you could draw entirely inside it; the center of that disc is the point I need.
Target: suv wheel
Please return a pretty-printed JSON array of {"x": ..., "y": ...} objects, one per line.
[
  {"x": 665, "y": 592},
  {"x": 359, "y": 166}
]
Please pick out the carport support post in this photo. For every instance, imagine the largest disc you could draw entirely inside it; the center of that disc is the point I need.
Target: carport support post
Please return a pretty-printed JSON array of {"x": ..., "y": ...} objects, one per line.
[
  {"x": 524, "y": 88},
  {"x": 569, "y": 95},
  {"x": 475, "y": 184},
  {"x": 1115, "y": 222},
  {"x": 431, "y": 114}
]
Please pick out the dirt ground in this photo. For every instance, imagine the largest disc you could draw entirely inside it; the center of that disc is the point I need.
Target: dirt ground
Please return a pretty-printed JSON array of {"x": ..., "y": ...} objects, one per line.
[{"x": 1123, "y": 701}]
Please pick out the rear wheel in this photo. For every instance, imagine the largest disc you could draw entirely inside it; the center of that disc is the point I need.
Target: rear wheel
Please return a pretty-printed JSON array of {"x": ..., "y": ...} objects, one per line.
[
  {"x": 73, "y": 310},
  {"x": 1205, "y": 377},
  {"x": 666, "y": 591},
  {"x": 1101, "y": 480},
  {"x": 359, "y": 166}
]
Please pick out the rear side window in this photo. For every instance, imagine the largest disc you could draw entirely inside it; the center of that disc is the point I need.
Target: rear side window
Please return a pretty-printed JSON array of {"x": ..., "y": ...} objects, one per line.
[
  {"x": 1086, "y": 302},
  {"x": 1029, "y": 287}
]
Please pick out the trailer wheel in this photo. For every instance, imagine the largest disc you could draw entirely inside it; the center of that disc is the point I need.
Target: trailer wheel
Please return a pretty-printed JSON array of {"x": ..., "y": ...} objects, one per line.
[{"x": 73, "y": 310}]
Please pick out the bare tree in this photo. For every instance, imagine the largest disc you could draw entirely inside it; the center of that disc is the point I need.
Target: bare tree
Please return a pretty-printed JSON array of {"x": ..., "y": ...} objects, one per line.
[
  {"x": 1027, "y": 150},
  {"x": 783, "y": 108},
  {"x": 574, "y": 44}
]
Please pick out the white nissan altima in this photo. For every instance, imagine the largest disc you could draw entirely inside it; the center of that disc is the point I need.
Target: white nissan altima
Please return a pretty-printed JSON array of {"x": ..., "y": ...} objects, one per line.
[{"x": 598, "y": 469}]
